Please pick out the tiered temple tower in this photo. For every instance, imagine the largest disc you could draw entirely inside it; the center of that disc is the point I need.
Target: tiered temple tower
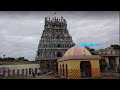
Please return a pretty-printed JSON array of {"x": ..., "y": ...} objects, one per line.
[{"x": 55, "y": 41}]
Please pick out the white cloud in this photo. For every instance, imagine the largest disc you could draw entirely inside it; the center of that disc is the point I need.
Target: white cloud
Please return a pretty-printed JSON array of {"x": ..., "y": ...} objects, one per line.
[{"x": 20, "y": 32}]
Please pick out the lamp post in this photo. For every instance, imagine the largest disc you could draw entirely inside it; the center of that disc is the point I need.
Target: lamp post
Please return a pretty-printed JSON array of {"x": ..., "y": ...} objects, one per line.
[{"x": 39, "y": 62}]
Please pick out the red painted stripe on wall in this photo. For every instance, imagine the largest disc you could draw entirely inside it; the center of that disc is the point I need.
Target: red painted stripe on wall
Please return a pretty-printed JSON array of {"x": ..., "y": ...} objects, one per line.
[
  {"x": 18, "y": 71},
  {"x": 13, "y": 73},
  {"x": 22, "y": 71}
]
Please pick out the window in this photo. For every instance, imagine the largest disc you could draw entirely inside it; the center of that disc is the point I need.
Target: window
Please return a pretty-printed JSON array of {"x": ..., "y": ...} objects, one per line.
[
  {"x": 58, "y": 45},
  {"x": 59, "y": 54},
  {"x": 57, "y": 37}
]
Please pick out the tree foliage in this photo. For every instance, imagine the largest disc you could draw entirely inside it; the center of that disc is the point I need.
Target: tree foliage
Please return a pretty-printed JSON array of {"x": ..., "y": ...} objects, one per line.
[
  {"x": 11, "y": 59},
  {"x": 116, "y": 47},
  {"x": 118, "y": 69},
  {"x": 103, "y": 64},
  {"x": 21, "y": 58},
  {"x": 92, "y": 50}
]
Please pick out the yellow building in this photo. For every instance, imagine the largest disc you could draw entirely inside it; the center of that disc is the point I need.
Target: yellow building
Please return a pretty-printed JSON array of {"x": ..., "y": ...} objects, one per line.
[{"x": 77, "y": 63}]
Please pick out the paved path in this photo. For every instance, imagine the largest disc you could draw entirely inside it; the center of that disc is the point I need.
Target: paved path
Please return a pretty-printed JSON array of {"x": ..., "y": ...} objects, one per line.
[
  {"x": 45, "y": 77},
  {"x": 36, "y": 77},
  {"x": 53, "y": 77},
  {"x": 42, "y": 77}
]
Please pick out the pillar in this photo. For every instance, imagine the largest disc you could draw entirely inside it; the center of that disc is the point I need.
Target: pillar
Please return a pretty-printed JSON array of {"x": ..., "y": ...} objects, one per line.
[
  {"x": 107, "y": 60},
  {"x": 26, "y": 72},
  {"x": 117, "y": 60}
]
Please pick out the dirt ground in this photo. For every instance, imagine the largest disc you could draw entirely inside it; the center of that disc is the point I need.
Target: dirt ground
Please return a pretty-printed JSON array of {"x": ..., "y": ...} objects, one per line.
[
  {"x": 31, "y": 77},
  {"x": 43, "y": 76}
]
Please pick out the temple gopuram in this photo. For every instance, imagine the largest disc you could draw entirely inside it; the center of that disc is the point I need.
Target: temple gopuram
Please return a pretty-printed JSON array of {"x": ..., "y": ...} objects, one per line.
[{"x": 54, "y": 42}]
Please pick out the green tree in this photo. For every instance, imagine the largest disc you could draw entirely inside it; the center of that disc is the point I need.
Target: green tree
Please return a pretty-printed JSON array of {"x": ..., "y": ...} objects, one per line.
[
  {"x": 26, "y": 60},
  {"x": 1, "y": 59},
  {"x": 118, "y": 70},
  {"x": 116, "y": 47},
  {"x": 21, "y": 58},
  {"x": 103, "y": 64},
  {"x": 92, "y": 50},
  {"x": 11, "y": 59}
]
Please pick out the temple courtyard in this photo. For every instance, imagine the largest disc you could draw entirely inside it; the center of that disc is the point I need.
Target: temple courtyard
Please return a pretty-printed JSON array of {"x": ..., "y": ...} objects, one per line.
[{"x": 43, "y": 76}]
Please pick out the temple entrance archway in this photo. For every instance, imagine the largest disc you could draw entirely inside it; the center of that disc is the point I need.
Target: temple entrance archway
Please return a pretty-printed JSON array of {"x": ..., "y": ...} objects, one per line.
[{"x": 85, "y": 69}]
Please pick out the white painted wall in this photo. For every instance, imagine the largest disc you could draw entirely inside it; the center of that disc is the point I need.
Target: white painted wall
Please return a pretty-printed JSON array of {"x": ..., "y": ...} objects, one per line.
[{"x": 20, "y": 67}]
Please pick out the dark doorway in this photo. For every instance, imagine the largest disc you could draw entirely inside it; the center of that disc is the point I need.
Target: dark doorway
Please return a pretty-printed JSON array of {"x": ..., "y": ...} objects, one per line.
[
  {"x": 66, "y": 71},
  {"x": 85, "y": 68},
  {"x": 35, "y": 70},
  {"x": 58, "y": 45},
  {"x": 112, "y": 62},
  {"x": 59, "y": 54},
  {"x": 63, "y": 70},
  {"x": 30, "y": 71},
  {"x": 60, "y": 70}
]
